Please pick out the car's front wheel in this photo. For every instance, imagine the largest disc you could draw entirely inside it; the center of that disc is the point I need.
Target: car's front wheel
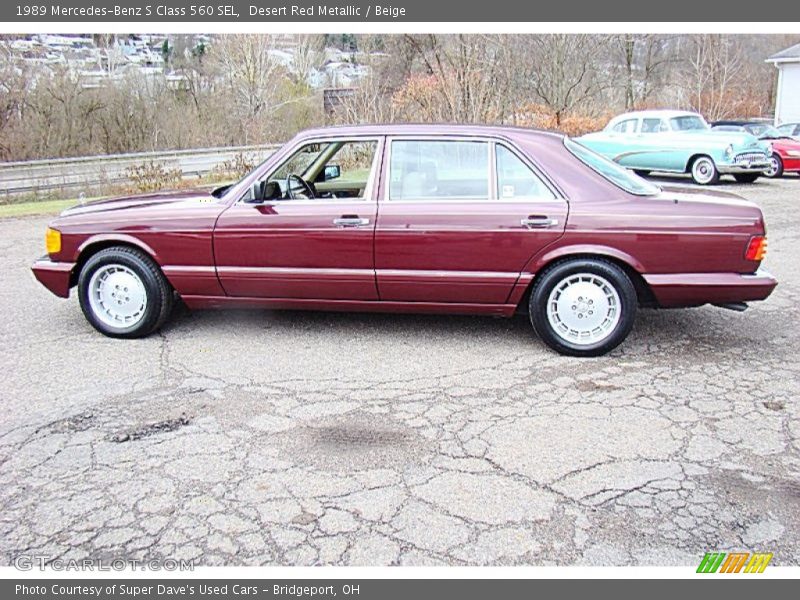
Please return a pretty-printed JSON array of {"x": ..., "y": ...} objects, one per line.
[
  {"x": 123, "y": 293},
  {"x": 775, "y": 167},
  {"x": 704, "y": 171},
  {"x": 583, "y": 307}
]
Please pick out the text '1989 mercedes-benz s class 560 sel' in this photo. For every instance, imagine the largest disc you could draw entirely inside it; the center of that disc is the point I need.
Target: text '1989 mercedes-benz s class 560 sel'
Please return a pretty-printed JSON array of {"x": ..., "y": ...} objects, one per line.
[{"x": 417, "y": 218}]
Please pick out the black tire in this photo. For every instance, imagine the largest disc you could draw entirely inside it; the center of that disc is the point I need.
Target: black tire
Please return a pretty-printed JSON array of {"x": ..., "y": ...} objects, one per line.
[
  {"x": 158, "y": 292},
  {"x": 704, "y": 171},
  {"x": 641, "y": 173},
  {"x": 777, "y": 170},
  {"x": 746, "y": 177},
  {"x": 552, "y": 276}
]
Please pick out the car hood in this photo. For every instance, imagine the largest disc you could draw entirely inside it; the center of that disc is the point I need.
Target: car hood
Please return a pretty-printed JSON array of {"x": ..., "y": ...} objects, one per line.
[
  {"x": 785, "y": 144},
  {"x": 738, "y": 139},
  {"x": 172, "y": 198}
]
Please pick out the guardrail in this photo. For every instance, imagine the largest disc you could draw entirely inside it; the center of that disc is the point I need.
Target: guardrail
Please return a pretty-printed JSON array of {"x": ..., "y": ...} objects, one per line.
[{"x": 74, "y": 175}]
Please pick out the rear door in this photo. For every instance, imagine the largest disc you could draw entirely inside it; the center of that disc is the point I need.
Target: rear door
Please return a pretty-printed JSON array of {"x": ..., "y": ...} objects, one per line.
[{"x": 458, "y": 220}]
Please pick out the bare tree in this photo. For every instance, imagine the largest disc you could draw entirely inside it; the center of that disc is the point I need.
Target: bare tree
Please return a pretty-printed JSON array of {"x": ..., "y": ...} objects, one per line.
[
  {"x": 713, "y": 66},
  {"x": 251, "y": 76},
  {"x": 308, "y": 55},
  {"x": 563, "y": 71},
  {"x": 463, "y": 73},
  {"x": 643, "y": 57},
  {"x": 15, "y": 82}
]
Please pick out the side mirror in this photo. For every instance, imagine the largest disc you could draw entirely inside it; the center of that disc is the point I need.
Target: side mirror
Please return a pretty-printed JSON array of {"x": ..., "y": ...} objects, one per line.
[
  {"x": 332, "y": 172},
  {"x": 266, "y": 191}
]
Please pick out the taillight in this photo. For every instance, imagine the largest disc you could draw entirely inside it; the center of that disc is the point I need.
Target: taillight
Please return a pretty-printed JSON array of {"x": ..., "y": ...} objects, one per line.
[{"x": 756, "y": 248}]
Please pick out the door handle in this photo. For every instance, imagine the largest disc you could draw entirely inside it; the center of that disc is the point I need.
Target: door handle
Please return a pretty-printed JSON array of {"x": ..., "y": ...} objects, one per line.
[
  {"x": 538, "y": 222},
  {"x": 350, "y": 222}
]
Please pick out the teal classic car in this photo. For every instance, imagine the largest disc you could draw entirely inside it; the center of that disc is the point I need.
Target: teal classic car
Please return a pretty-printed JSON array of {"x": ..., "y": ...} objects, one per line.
[{"x": 679, "y": 142}]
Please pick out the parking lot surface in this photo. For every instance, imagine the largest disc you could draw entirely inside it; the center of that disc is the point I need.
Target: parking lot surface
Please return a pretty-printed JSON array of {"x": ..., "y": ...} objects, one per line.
[{"x": 291, "y": 438}]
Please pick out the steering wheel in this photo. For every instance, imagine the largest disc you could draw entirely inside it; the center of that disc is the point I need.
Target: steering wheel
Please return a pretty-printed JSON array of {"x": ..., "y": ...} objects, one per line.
[{"x": 303, "y": 190}]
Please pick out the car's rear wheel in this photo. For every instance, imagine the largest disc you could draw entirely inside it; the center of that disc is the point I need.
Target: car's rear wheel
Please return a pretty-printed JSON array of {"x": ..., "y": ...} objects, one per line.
[
  {"x": 704, "y": 171},
  {"x": 641, "y": 172},
  {"x": 746, "y": 177},
  {"x": 775, "y": 167},
  {"x": 583, "y": 307},
  {"x": 123, "y": 293}
]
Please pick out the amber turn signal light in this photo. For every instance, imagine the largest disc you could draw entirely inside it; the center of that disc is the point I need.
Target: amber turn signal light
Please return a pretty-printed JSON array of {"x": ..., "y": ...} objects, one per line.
[
  {"x": 756, "y": 248},
  {"x": 52, "y": 241}
]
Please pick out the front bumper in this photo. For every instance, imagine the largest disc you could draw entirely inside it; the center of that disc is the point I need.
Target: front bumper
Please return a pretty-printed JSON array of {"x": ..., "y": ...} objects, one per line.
[
  {"x": 55, "y": 276},
  {"x": 693, "y": 289},
  {"x": 791, "y": 164},
  {"x": 753, "y": 167}
]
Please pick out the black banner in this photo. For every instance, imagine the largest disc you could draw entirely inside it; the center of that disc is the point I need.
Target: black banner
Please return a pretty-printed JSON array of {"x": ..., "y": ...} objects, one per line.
[
  {"x": 33, "y": 11},
  {"x": 386, "y": 589}
]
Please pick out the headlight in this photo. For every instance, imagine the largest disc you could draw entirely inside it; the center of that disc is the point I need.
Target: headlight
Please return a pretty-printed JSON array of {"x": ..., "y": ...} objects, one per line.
[
  {"x": 52, "y": 240},
  {"x": 729, "y": 151}
]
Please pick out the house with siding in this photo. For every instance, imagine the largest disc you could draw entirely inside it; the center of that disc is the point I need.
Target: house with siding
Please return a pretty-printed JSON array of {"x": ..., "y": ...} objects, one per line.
[{"x": 787, "y": 97}]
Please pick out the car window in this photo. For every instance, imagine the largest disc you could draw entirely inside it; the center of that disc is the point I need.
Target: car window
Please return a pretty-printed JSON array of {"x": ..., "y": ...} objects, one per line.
[
  {"x": 421, "y": 169},
  {"x": 327, "y": 169},
  {"x": 653, "y": 125},
  {"x": 616, "y": 174},
  {"x": 688, "y": 123},
  {"x": 787, "y": 129},
  {"x": 626, "y": 126},
  {"x": 515, "y": 179},
  {"x": 298, "y": 162}
]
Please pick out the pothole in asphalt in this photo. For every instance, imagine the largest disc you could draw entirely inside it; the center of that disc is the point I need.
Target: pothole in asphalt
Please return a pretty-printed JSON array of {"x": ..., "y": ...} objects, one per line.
[
  {"x": 151, "y": 429},
  {"x": 74, "y": 423},
  {"x": 774, "y": 405},
  {"x": 353, "y": 441}
]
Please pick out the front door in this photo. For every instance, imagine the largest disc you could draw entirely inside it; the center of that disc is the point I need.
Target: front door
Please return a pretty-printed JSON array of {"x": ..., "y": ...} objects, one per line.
[
  {"x": 305, "y": 230},
  {"x": 459, "y": 220}
]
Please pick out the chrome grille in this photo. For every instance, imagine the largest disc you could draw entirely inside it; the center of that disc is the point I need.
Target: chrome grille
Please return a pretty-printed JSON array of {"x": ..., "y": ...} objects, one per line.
[{"x": 750, "y": 157}]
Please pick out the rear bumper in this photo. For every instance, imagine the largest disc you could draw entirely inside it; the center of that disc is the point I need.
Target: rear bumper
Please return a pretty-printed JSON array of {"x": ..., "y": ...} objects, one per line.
[
  {"x": 693, "y": 289},
  {"x": 55, "y": 276}
]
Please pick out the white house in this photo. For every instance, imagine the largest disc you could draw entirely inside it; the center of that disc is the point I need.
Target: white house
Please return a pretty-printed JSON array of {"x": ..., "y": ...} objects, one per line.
[{"x": 787, "y": 98}]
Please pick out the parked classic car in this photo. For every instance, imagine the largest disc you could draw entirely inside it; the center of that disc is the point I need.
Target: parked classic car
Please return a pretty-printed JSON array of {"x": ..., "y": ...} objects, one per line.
[
  {"x": 679, "y": 142},
  {"x": 790, "y": 129},
  {"x": 416, "y": 218},
  {"x": 785, "y": 156}
]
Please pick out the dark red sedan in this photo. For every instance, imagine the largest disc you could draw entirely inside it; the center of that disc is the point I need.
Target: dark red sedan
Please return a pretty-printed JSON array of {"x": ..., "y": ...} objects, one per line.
[{"x": 417, "y": 218}]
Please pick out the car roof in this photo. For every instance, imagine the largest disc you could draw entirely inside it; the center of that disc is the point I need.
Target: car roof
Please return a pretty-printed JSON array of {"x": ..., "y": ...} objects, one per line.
[
  {"x": 426, "y": 129},
  {"x": 656, "y": 113}
]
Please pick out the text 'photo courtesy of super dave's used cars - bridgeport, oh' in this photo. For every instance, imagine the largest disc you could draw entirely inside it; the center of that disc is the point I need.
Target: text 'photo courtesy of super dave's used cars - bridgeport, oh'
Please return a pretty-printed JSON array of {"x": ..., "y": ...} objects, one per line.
[{"x": 430, "y": 219}]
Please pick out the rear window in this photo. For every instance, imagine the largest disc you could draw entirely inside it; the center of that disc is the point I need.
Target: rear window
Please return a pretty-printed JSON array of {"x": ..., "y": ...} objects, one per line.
[{"x": 616, "y": 174}]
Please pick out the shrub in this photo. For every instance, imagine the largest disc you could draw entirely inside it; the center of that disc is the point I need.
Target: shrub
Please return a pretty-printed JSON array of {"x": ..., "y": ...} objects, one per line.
[{"x": 151, "y": 176}]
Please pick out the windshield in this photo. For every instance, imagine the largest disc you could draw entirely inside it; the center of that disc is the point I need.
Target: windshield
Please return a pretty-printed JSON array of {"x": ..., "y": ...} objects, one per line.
[
  {"x": 616, "y": 174},
  {"x": 688, "y": 123},
  {"x": 764, "y": 130}
]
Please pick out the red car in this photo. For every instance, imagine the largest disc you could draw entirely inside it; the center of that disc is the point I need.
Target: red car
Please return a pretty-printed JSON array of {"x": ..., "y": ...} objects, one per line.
[
  {"x": 417, "y": 218},
  {"x": 785, "y": 149}
]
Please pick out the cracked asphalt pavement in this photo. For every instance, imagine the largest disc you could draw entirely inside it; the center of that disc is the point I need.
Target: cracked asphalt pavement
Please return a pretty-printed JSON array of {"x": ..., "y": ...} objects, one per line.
[{"x": 292, "y": 438}]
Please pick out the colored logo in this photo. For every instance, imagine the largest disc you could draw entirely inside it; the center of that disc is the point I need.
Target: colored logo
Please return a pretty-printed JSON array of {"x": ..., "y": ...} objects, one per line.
[{"x": 734, "y": 562}]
